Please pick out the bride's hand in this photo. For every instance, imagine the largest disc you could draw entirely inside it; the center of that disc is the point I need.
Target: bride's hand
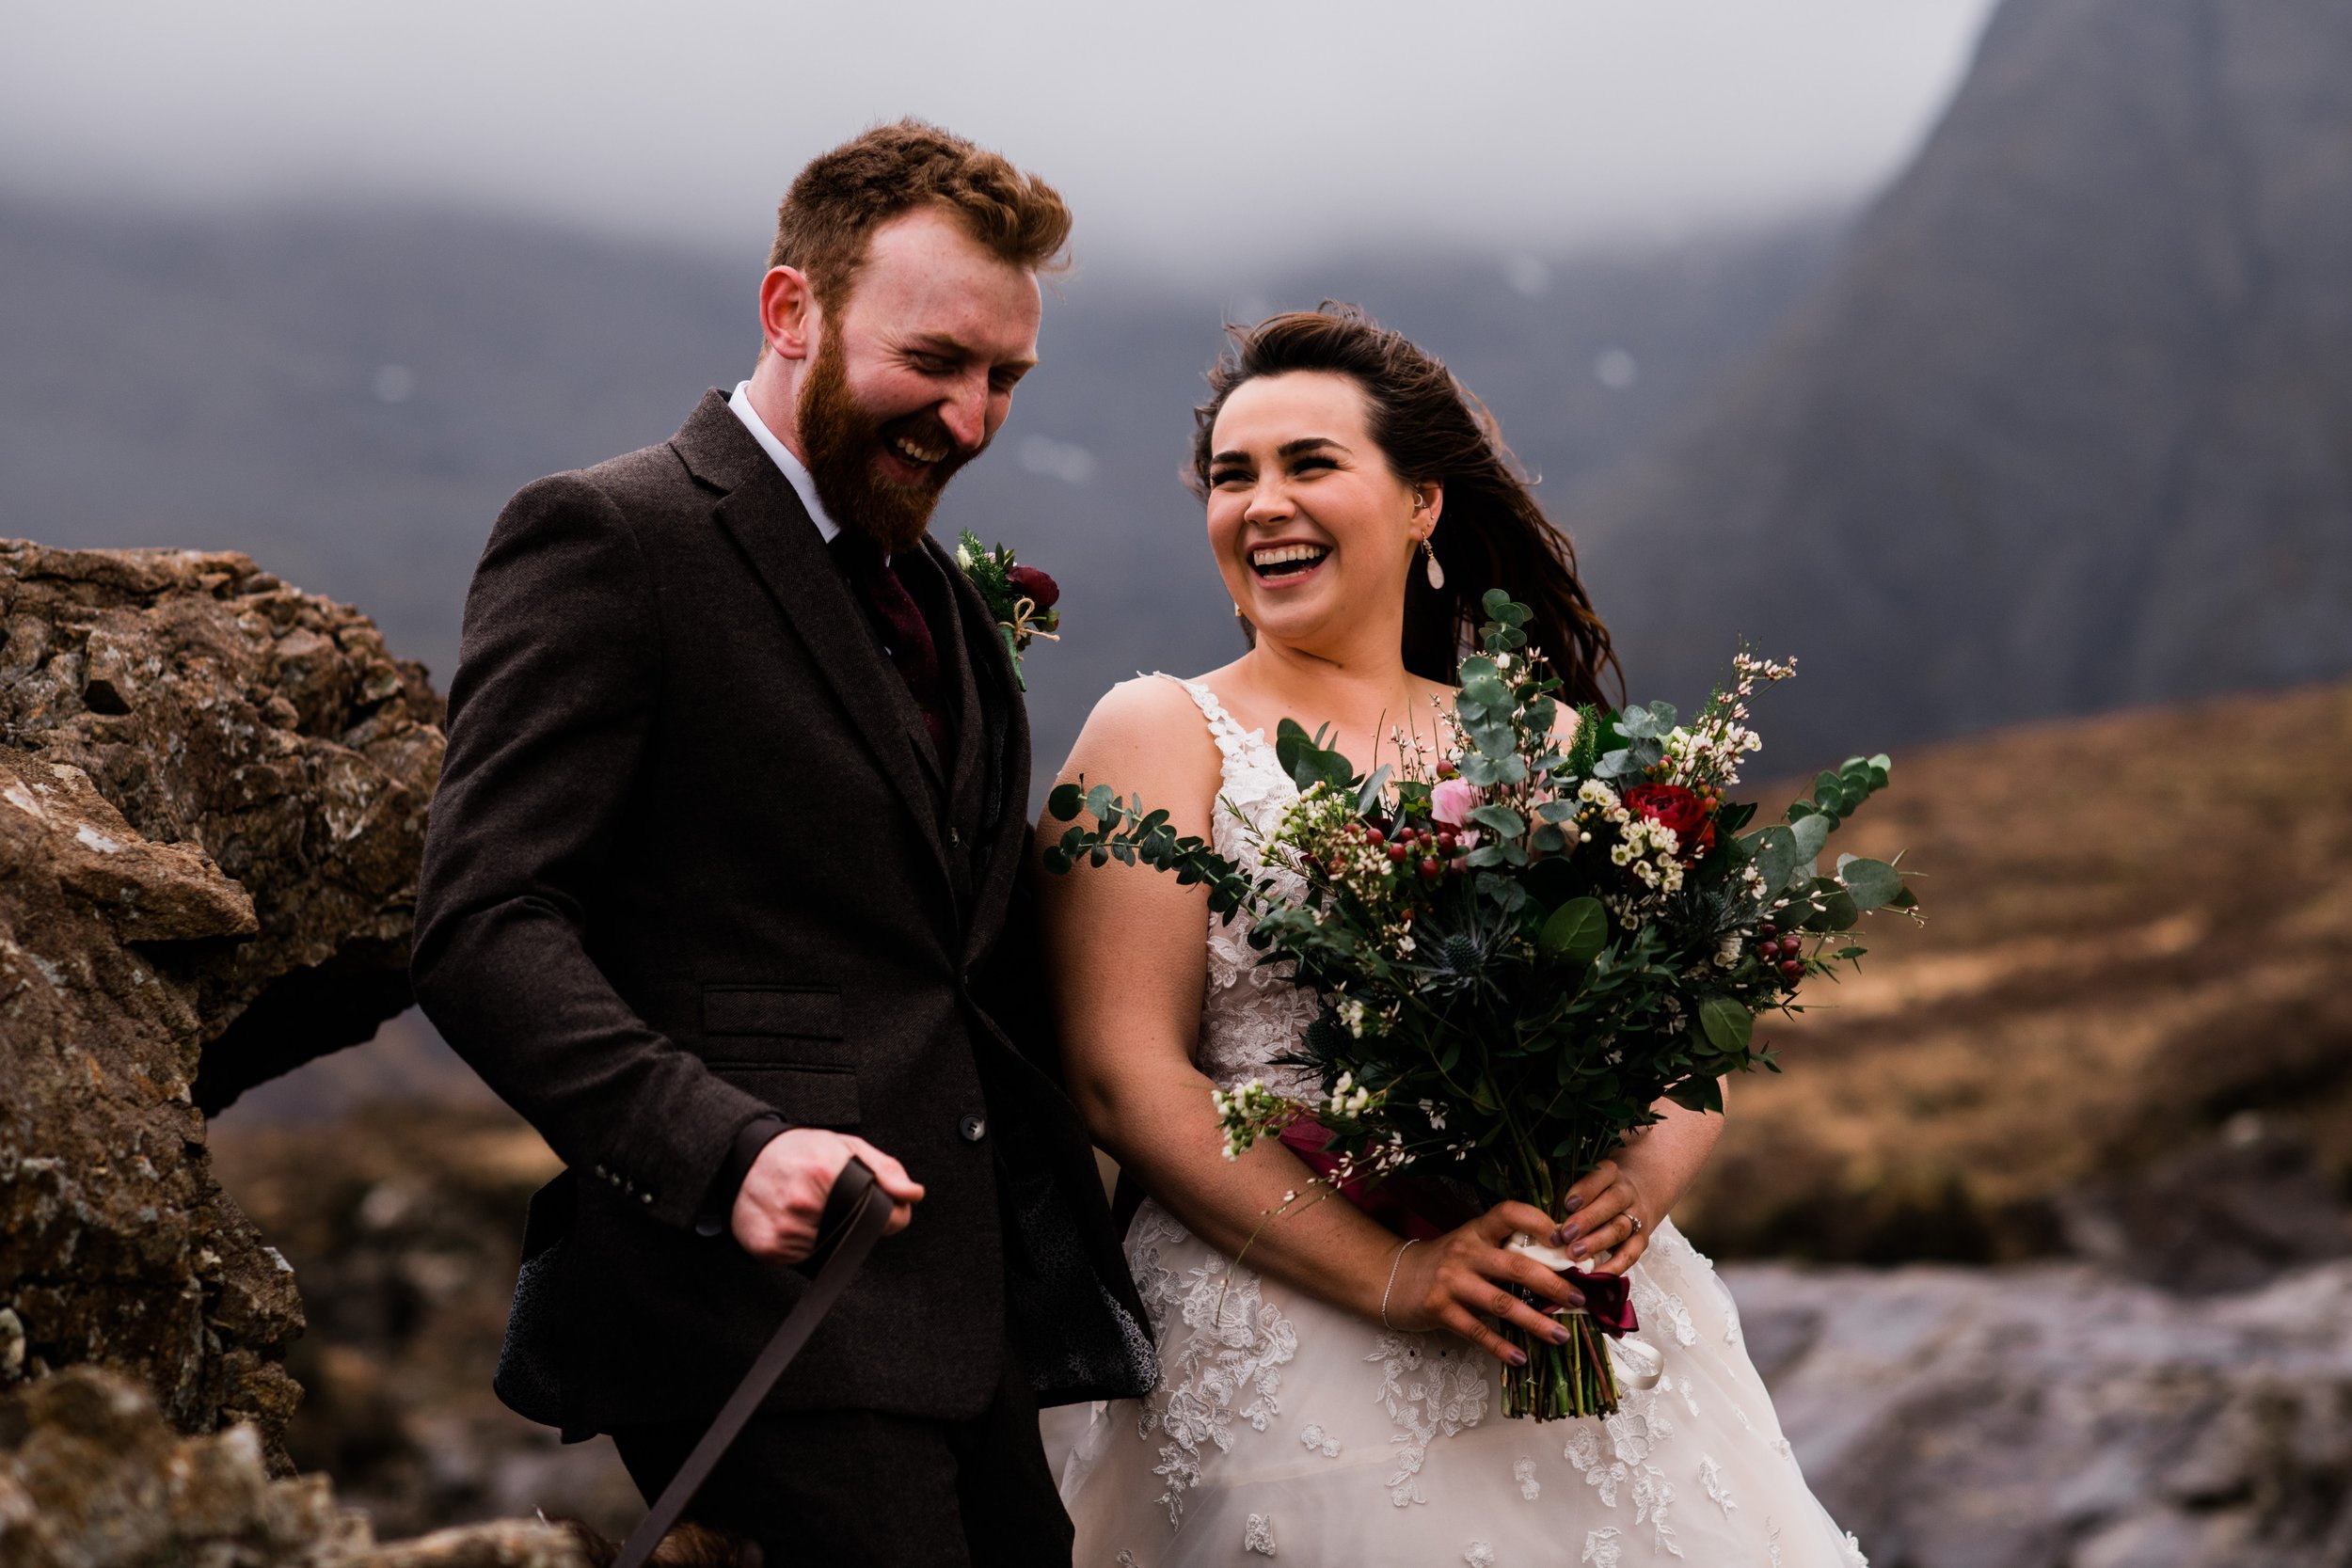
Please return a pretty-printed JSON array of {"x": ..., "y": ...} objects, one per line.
[
  {"x": 1605, "y": 1214},
  {"x": 1448, "y": 1283}
]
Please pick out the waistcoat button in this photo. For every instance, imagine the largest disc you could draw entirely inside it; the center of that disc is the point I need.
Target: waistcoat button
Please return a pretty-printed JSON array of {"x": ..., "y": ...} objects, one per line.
[{"x": 972, "y": 1128}]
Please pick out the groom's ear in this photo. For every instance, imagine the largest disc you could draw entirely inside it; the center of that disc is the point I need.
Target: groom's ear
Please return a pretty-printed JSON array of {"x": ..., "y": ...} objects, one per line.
[{"x": 789, "y": 316}]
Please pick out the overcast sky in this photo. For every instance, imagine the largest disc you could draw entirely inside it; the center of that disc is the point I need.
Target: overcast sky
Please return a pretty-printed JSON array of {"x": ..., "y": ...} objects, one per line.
[{"x": 1180, "y": 131}]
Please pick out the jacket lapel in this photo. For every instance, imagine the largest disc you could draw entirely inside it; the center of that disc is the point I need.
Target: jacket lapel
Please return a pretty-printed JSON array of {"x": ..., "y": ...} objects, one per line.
[
  {"x": 1000, "y": 720},
  {"x": 761, "y": 512}
]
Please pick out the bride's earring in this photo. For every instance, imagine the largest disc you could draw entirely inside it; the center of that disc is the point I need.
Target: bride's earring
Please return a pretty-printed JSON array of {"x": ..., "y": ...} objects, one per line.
[{"x": 1429, "y": 552}]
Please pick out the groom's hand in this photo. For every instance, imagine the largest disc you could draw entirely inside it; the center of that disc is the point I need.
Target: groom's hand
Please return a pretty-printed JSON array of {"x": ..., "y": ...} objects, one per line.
[{"x": 783, "y": 1195}]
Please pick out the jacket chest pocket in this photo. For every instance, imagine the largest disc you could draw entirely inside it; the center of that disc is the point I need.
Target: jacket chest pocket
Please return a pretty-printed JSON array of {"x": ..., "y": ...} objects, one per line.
[{"x": 758, "y": 1038}]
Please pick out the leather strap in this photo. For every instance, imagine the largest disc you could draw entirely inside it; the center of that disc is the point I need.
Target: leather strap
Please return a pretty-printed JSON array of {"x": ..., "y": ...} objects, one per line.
[{"x": 856, "y": 1212}]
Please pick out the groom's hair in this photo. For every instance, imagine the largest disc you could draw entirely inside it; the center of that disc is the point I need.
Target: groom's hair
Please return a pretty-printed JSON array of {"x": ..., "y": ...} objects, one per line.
[{"x": 843, "y": 196}]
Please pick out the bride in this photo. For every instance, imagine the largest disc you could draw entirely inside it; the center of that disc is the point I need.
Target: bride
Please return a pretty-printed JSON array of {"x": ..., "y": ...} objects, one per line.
[{"x": 1334, "y": 1398}]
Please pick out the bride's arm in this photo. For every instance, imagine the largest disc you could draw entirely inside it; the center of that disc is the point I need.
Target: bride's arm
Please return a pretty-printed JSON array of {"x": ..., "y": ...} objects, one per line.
[
  {"x": 1651, "y": 1172},
  {"x": 1126, "y": 949}
]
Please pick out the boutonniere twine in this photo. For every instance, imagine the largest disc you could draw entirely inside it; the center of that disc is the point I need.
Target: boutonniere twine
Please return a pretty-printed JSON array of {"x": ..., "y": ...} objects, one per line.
[{"x": 1022, "y": 599}]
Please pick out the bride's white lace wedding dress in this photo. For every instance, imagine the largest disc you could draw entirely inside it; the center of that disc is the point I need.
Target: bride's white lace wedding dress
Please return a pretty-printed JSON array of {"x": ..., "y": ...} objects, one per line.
[{"x": 1285, "y": 1428}]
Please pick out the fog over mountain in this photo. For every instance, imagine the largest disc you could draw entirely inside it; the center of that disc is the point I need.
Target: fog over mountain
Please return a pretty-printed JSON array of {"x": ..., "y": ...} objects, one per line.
[
  {"x": 2062, "y": 422},
  {"x": 352, "y": 396},
  {"x": 2070, "y": 425}
]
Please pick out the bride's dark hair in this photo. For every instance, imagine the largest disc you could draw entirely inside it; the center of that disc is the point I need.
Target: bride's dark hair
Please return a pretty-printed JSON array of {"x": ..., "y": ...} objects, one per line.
[{"x": 1490, "y": 532}]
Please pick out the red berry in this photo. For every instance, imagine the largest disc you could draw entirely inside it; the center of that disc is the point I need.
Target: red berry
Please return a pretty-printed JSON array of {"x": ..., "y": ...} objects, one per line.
[
  {"x": 1398, "y": 852},
  {"x": 1767, "y": 930},
  {"x": 1377, "y": 837},
  {"x": 1430, "y": 869},
  {"x": 1446, "y": 840},
  {"x": 1791, "y": 968}
]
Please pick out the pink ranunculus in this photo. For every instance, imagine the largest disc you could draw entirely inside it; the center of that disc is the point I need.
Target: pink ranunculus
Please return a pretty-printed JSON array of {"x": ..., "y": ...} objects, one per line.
[{"x": 1453, "y": 802}]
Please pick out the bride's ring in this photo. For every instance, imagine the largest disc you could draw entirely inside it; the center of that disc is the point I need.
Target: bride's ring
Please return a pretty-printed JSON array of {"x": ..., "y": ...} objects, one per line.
[{"x": 1637, "y": 1224}]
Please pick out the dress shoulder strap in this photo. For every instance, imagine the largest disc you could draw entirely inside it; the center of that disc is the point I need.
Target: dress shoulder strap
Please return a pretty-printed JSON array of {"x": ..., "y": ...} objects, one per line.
[{"x": 1223, "y": 727}]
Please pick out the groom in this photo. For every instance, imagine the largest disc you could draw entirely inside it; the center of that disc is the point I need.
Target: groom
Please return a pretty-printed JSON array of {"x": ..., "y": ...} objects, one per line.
[{"x": 720, "y": 890}]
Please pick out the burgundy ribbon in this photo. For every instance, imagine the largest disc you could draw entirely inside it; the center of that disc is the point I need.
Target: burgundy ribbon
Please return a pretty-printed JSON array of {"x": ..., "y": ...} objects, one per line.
[{"x": 1422, "y": 1212}]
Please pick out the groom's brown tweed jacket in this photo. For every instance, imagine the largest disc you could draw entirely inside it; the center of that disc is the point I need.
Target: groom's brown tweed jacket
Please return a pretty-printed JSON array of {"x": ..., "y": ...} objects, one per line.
[{"x": 693, "y": 859}]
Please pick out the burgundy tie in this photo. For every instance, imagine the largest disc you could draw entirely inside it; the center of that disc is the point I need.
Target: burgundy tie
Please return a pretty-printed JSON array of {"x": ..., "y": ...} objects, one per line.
[{"x": 903, "y": 629}]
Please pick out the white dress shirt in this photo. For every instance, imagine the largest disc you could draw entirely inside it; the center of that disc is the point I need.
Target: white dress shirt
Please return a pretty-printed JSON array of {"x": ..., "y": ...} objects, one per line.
[{"x": 794, "y": 470}]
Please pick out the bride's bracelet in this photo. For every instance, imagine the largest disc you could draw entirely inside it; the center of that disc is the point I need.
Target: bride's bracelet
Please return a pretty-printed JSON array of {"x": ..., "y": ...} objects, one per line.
[{"x": 1391, "y": 1285}]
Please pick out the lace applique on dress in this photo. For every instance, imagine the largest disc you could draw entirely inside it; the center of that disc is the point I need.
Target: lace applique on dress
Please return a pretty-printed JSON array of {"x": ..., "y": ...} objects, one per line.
[
  {"x": 1583, "y": 1452},
  {"x": 1711, "y": 1476},
  {"x": 1154, "y": 1227},
  {"x": 1600, "y": 1547},
  {"x": 1633, "y": 1435},
  {"x": 1653, "y": 1494},
  {"x": 1257, "y": 1534},
  {"x": 1251, "y": 1013},
  {"x": 1523, "y": 1472},
  {"x": 1429, "y": 1397},
  {"x": 1226, "y": 1369},
  {"x": 1652, "y": 1302},
  {"x": 1320, "y": 1442}
]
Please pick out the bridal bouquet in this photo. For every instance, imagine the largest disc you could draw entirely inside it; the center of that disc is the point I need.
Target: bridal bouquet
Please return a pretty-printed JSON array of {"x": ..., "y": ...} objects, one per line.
[{"x": 1522, "y": 940}]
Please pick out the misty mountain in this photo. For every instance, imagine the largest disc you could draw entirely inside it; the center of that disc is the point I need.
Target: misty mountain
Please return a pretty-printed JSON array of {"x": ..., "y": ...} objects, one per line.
[
  {"x": 2069, "y": 425},
  {"x": 351, "y": 396}
]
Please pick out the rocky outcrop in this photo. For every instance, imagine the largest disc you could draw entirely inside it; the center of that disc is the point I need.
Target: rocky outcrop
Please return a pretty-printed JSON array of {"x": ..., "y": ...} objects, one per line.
[
  {"x": 2056, "y": 1417},
  {"x": 91, "y": 1477},
  {"x": 212, "y": 801}
]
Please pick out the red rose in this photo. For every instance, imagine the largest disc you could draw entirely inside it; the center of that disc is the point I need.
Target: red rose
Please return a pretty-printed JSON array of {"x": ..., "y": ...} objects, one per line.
[
  {"x": 1690, "y": 818},
  {"x": 1034, "y": 585}
]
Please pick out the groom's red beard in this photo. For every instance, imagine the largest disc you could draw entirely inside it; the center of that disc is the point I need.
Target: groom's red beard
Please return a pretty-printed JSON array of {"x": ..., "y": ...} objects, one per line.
[{"x": 844, "y": 446}]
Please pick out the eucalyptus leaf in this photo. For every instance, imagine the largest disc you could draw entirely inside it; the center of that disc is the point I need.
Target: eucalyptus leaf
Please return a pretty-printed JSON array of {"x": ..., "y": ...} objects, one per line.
[
  {"x": 1872, "y": 884},
  {"x": 1500, "y": 820},
  {"x": 1728, "y": 1025},
  {"x": 1489, "y": 694},
  {"x": 1576, "y": 931},
  {"x": 1810, "y": 832},
  {"x": 1648, "y": 723},
  {"x": 1777, "y": 858}
]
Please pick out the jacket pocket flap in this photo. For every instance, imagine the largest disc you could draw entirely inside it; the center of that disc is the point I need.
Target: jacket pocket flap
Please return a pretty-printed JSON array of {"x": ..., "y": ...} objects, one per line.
[
  {"x": 810, "y": 1012},
  {"x": 806, "y": 1096}
]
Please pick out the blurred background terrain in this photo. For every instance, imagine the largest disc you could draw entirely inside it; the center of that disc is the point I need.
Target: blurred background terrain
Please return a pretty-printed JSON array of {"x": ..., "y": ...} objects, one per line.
[{"x": 2015, "y": 401}]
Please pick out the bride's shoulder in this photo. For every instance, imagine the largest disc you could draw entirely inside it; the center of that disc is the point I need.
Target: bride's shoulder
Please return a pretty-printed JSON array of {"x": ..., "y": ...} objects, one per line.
[
  {"x": 1145, "y": 707},
  {"x": 1150, "y": 730}
]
